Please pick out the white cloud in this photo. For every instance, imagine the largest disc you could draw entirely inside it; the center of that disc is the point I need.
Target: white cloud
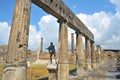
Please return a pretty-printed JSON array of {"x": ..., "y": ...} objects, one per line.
[
  {"x": 4, "y": 33},
  {"x": 34, "y": 38},
  {"x": 50, "y": 30},
  {"x": 97, "y": 23},
  {"x": 117, "y": 4},
  {"x": 105, "y": 26}
]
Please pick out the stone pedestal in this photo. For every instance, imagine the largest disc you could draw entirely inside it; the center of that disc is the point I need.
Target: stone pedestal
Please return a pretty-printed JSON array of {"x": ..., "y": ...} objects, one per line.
[{"x": 52, "y": 69}]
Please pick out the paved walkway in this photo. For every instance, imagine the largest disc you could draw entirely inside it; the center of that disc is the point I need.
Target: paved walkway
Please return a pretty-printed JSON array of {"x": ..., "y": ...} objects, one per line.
[{"x": 109, "y": 71}]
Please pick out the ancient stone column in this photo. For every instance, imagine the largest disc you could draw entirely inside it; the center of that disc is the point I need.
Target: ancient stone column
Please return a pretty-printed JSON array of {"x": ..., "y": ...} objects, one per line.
[
  {"x": 63, "y": 66},
  {"x": 15, "y": 67},
  {"x": 72, "y": 43},
  {"x": 41, "y": 46},
  {"x": 88, "y": 54},
  {"x": 93, "y": 56},
  {"x": 80, "y": 60},
  {"x": 99, "y": 54}
]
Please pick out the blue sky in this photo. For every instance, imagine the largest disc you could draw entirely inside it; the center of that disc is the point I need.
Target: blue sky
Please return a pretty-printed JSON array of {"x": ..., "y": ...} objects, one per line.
[{"x": 100, "y": 16}]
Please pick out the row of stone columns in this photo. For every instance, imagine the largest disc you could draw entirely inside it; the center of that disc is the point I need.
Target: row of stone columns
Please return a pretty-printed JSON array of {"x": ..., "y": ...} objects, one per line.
[
  {"x": 16, "y": 67},
  {"x": 86, "y": 60}
]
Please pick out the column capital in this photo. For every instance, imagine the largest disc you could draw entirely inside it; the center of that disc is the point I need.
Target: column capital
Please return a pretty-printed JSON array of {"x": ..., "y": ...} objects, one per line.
[
  {"x": 72, "y": 33},
  {"x": 87, "y": 38},
  {"x": 61, "y": 20},
  {"x": 98, "y": 45},
  {"x": 41, "y": 38},
  {"x": 78, "y": 32}
]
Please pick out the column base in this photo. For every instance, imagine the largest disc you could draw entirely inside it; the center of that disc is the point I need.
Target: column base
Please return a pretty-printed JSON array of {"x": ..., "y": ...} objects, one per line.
[
  {"x": 15, "y": 72},
  {"x": 89, "y": 66},
  {"x": 63, "y": 71},
  {"x": 80, "y": 71},
  {"x": 94, "y": 65}
]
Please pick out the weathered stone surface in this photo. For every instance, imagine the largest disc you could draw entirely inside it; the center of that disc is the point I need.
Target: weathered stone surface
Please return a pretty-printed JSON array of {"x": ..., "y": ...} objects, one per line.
[
  {"x": 63, "y": 66},
  {"x": 80, "y": 61},
  {"x": 52, "y": 69},
  {"x": 15, "y": 72},
  {"x": 41, "y": 46},
  {"x": 99, "y": 54},
  {"x": 88, "y": 54},
  {"x": 72, "y": 43},
  {"x": 58, "y": 9},
  {"x": 18, "y": 42},
  {"x": 93, "y": 56}
]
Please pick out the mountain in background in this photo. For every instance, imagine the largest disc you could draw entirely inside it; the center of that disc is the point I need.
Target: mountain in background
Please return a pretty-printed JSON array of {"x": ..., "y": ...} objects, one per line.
[{"x": 3, "y": 49}]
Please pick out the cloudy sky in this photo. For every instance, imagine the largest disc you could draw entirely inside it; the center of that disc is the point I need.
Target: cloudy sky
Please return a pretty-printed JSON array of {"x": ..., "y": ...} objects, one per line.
[{"x": 102, "y": 17}]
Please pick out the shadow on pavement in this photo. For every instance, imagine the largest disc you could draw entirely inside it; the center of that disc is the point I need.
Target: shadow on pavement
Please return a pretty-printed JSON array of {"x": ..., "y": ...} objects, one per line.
[
  {"x": 118, "y": 69},
  {"x": 46, "y": 78},
  {"x": 72, "y": 72}
]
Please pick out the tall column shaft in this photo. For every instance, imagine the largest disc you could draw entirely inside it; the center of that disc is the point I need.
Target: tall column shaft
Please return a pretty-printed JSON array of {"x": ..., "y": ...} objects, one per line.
[
  {"x": 93, "y": 56},
  {"x": 88, "y": 54},
  {"x": 80, "y": 61},
  {"x": 41, "y": 46},
  {"x": 63, "y": 66},
  {"x": 15, "y": 67},
  {"x": 99, "y": 54},
  {"x": 97, "y": 57},
  {"x": 72, "y": 42},
  {"x": 102, "y": 55}
]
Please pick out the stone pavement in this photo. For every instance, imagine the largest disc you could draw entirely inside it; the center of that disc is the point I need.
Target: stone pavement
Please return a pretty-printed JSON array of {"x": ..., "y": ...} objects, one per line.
[{"x": 108, "y": 71}]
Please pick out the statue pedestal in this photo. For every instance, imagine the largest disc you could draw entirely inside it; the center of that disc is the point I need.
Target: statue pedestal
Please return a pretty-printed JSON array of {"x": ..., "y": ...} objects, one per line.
[{"x": 52, "y": 68}]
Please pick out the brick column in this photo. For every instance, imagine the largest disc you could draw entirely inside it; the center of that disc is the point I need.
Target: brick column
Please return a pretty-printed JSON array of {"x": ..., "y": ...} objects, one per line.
[
  {"x": 63, "y": 66},
  {"x": 80, "y": 61},
  {"x": 88, "y": 54},
  {"x": 15, "y": 67}
]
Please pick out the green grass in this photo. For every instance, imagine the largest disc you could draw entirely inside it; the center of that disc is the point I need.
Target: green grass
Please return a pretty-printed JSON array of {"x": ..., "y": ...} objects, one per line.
[
  {"x": 35, "y": 72},
  {"x": 1, "y": 70}
]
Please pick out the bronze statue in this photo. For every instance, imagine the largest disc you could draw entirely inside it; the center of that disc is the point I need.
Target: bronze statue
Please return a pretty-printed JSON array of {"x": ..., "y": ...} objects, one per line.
[{"x": 51, "y": 50}]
